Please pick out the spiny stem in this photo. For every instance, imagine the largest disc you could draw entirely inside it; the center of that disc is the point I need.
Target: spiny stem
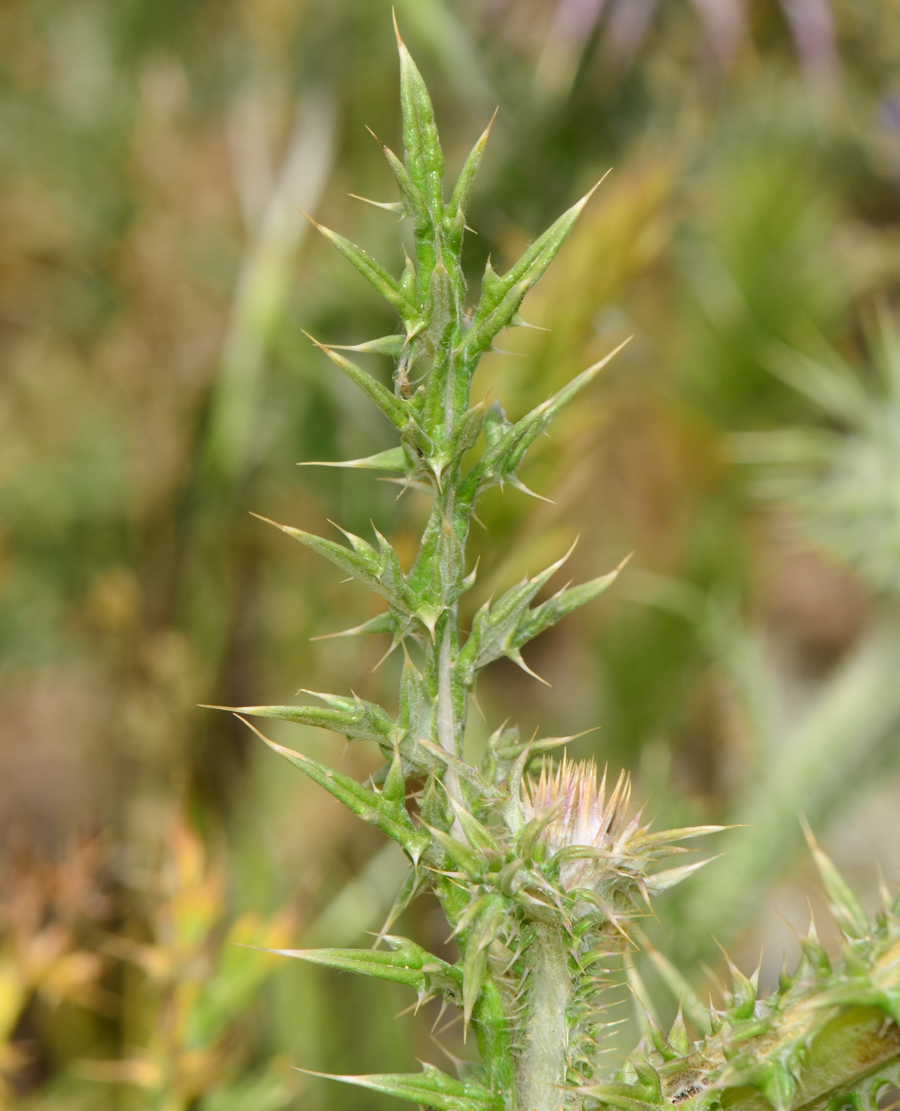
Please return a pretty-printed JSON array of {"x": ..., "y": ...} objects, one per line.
[
  {"x": 540, "y": 877},
  {"x": 542, "y": 1061},
  {"x": 446, "y": 727}
]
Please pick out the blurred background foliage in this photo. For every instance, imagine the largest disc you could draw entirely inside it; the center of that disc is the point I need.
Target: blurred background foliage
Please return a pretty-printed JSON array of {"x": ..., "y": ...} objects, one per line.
[{"x": 156, "y": 387}]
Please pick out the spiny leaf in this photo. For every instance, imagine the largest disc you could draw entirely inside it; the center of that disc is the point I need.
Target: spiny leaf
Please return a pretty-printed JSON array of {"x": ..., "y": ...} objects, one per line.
[
  {"x": 743, "y": 991},
  {"x": 502, "y": 296},
  {"x": 777, "y": 1084},
  {"x": 814, "y": 956},
  {"x": 352, "y": 717},
  {"x": 424, "y": 156},
  {"x": 429, "y": 1088},
  {"x": 479, "y": 836},
  {"x": 364, "y": 803},
  {"x": 386, "y": 345},
  {"x": 394, "y": 408},
  {"x": 771, "y": 1077},
  {"x": 507, "y": 453},
  {"x": 494, "y": 626},
  {"x": 466, "y": 771},
  {"x": 414, "y": 201},
  {"x": 394, "y": 459},
  {"x": 412, "y": 886},
  {"x": 464, "y": 435},
  {"x": 374, "y": 273},
  {"x": 362, "y": 564},
  {"x": 403, "y": 964},
  {"x": 383, "y": 623},
  {"x": 624, "y": 1097},
  {"x": 663, "y": 881},
  {"x": 849, "y": 915},
  {"x": 462, "y": 856},
  {"x": 397, "y": 207},
  {"x": 561, "y": 604},
  {"x": 479, "y": 937},
  {"x": 462, "y": 191}
]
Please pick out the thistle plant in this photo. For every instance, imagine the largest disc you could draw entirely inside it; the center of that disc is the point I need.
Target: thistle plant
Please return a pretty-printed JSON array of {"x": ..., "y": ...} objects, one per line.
[{"x": 542, "y": 871}]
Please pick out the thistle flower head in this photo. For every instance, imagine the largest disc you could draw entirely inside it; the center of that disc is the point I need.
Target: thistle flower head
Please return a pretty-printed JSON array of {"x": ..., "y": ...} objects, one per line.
[
  {"x": 596, "y": 847},
  {"x": 579, "y": 815}
]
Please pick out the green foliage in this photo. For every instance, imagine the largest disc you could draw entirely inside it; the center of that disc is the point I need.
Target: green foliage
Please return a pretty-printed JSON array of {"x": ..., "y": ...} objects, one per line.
[
  {"x": 541, "y": 879},
  {"x": 156, "y": 387}
]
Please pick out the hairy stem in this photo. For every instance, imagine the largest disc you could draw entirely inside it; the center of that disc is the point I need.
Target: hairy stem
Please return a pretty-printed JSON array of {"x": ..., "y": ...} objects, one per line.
[
  {"x": 544, "y": 1052},
  {"x": 446, "y": 725}
]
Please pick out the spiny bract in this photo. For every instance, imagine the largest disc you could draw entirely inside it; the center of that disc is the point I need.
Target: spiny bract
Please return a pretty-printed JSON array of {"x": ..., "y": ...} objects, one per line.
[{"x": 541, "y": 878}]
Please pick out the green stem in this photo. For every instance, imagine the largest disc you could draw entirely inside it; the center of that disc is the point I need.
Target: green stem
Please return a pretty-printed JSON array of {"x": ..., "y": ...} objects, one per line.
[
  {"x": 445, "y": 721},
  {"x": 546, "y": 1037}
]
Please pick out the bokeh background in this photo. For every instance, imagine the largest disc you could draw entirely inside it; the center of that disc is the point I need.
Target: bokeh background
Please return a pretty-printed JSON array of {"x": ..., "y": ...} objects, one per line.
[{"x": 156, "y": 387}]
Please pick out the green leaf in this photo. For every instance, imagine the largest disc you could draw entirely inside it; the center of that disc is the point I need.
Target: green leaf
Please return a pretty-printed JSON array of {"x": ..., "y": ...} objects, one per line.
[
  {"x": 424, "y": 156},
  {"x": 479, "y": 836},
  {"x": 366, "y": 804},
  {"x": 360, "y": 566},
  {"x": 413, "y": 706},
  {"x": 374, "y": 273},
  {"x": 678, "y": 1035},
  {"x": 560, "y": 605},
  {"x": 466, "y": 771},
  {"x": 410, "y": 889},
  {"x": 478, "y": 938},
  {"x": 777, "y": 1084},
  {"x": 429, "y": 1088},
  {"x": 394, "y": 408},
  {"x": 462, "y": 191},
  {"x": 464, "y": 436},
  {"x": 482, "y": 332},
  {"x": 743, "y": 992},
  {"x": 771, "y": 1077},
  {"x": 413, "y": 201},
  {"x": 462, "y": 856},
  {"x": 494, "y": 626},
  {"x": 386, "y": 345},
  {"x": 394, "y": 459},
  {"x": 500, "y": 461},
  {"x": 663, "y": 881},
  {"x": 846, "y": 908},
  {"x": 383, "y": 623},
  {"x": 380, "y": 572},
  {"x": 402, "y": 965},
  {"x": 354, "y": 718},
  {"x": 624, "y": 1097},
  {"x": 501, "y": 296}
]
